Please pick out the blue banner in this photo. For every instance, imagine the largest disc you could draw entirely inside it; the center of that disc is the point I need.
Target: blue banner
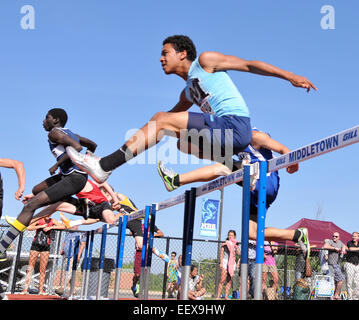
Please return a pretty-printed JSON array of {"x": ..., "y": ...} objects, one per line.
[{"x": 210, "y": 209}]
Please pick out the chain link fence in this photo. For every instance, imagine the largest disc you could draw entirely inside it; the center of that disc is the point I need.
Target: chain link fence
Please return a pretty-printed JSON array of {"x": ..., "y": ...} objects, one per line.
[{"x": 289, "y": 282}]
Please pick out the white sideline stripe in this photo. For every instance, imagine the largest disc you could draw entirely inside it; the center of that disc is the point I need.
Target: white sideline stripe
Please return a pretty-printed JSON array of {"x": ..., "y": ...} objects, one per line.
[{"x": 315, "y": 149}]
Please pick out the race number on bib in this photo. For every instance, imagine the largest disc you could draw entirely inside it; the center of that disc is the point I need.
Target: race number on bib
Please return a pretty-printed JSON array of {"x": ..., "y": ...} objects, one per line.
[{"x": 199, "y": 96}]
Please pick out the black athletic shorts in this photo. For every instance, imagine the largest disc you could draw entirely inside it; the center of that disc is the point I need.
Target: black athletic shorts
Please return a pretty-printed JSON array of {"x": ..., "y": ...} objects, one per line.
[
  {"x": 135, "y": 226},
  {"x": 63, "y": 186},
  {"x": 95, "y": 212},
  {"x": 39, "y": 248}
]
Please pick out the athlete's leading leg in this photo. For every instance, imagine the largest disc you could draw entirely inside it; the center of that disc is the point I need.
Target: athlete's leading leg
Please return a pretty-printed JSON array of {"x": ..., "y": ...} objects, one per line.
[{"x": 146, "y": 137}]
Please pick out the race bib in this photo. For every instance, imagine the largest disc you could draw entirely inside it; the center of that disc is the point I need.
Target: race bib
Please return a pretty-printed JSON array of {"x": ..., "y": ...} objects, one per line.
[{"x": 199, "y": 96}]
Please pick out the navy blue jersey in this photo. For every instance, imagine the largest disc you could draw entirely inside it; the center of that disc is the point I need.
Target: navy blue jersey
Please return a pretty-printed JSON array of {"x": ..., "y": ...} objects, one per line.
[
  {"x": 58, "y": 150},
  {"x": 262, "y": 154}
]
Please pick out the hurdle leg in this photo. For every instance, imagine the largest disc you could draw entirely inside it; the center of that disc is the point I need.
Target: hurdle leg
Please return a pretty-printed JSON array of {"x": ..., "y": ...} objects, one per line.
[
  {"x": 245, "y": 231},
  {"x": 149, "y": 251},
  {"x": 102, "y": 259},
  {"x": 84, "y": 266},
  {"x": 144, "y": 252},
  {"x": 68, "y": 264},
  {"x": 260, "y": 230},
  {"x": 74, "y": 266},
  {"x": 189, "y": 212},
  {"x": 119, "y": 257},
  {"x": 88, "y": 267}
]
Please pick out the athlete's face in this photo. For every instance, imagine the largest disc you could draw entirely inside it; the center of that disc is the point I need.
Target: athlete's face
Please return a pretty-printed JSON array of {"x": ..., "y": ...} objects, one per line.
[
  {"x": 48, "y": 123},
  {"x": 170, "y": 59}
]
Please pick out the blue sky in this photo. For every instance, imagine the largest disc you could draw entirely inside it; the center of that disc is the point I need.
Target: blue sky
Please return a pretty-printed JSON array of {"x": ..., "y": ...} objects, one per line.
[{"x": 100, "y": 61}]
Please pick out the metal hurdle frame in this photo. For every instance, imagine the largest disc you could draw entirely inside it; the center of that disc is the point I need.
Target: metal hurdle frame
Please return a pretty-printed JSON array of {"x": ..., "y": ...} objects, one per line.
[
  {"x": 74, "y": 266},
  {"x": 320, "y": 147},
  {"x": 102, "y": 261},
  {"x": 90, "y": 236},
  {"x": 69, "y": 257},
  {"x": 119, "y": 255}
]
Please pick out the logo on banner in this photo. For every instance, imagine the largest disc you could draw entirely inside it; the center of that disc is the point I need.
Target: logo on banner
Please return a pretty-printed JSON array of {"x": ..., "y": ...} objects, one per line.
[{"x": 209, "y": 217}]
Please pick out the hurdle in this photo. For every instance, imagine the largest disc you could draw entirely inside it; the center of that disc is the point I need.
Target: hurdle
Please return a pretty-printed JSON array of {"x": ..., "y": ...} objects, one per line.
[
  {"x": 84, "y": 264},
  {"x": 74, "y": 266},
  {"x": 249, "y": 172},
  {"x": 87, "y": 267},
  {"x": 121, "y": 234},
  {"x": 101, "y": 262},
  {"x": 68, "y": 264}
]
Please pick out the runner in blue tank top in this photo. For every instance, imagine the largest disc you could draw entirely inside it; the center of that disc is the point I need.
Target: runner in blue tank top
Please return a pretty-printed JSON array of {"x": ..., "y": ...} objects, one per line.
[
  {"x": 68, "y": 182},
  {"x": 260, "y": 149},
  {"x": 222, "y": 131}
]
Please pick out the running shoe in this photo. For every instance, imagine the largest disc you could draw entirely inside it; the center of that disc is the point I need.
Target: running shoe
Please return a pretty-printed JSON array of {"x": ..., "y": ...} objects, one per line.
[
  {"x": 65, "y": 220},
  {"x": 135, "y": 290},
  {"x": 89, "y": 163},
  {"x": 10, "y": 220},
  {"x": 303, "y": 239},
  {"x": 167, "y": 176}
]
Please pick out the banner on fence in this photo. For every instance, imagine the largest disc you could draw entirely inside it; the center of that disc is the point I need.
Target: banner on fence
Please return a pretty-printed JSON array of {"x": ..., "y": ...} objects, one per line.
[{"x": 209, "y": 218}]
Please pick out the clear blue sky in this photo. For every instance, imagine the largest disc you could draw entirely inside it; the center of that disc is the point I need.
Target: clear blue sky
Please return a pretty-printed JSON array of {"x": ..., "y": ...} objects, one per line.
[{"x": 100, "y": 61}]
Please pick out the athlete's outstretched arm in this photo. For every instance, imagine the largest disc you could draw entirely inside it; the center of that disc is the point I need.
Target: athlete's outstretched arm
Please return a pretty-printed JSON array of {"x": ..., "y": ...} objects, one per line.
[
  {"x": 18, "y": 166},
  {"x": 215, "y": 61},
  {"x": 263, "y": 140}
]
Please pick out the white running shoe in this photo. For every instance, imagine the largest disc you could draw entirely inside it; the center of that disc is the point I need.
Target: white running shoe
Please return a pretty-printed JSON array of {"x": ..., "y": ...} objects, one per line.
[
  {"x": 10, "y": 220},
  {"x": 89, "y": 163},
  {"x": 167, "y": 176}
]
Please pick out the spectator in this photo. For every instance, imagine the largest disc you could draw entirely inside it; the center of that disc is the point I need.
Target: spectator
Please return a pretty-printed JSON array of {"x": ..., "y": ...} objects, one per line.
[
  {"x": 336, "y": 250},
  {"x": 269, "y": 266},
  {"x": 251, "y": 266},
  {"x": 351, "y": 267},
  {"x": 172, "y": 278},
  {"x": 67, "y": 254},
  {"x": 227, "y": 262},
  {"x": 195, "y": 287},
  {"x": 40, "y": 246},
  {"x": 323, "y": 259}
]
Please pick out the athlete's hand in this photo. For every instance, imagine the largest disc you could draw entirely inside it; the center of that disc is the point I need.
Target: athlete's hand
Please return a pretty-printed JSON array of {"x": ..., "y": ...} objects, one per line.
[
  {"x": 293, "y": 168},
  {"x": 53, "y": 169},
  {"x": 26, "y": 198},
  {"x": 18, "y": 194},
  {"x": 116, "y": 205},
  {"x": 302, "y": 82}
]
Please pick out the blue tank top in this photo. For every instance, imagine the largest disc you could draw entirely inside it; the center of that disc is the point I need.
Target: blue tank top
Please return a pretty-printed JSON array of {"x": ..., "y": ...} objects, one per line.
[
  {"x": 58, "y": 150},
  {"x": 256, "y": 155},
  {"x": 215, "y": 93}
]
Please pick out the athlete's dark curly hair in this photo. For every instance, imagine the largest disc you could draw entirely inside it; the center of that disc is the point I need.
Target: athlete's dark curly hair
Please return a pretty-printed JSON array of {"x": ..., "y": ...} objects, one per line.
[
  {"x": 60, "y": 114},
  {"x": 181, "y": 43}
]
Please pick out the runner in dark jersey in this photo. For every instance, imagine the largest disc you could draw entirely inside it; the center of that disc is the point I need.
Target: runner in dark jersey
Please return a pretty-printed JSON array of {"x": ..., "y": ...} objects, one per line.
[{"x": 68, "y": 182}]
